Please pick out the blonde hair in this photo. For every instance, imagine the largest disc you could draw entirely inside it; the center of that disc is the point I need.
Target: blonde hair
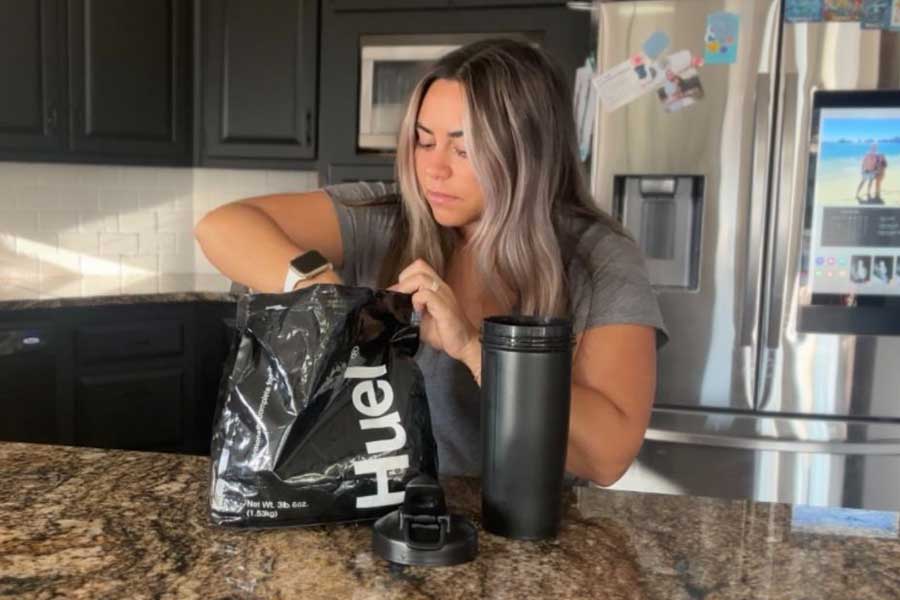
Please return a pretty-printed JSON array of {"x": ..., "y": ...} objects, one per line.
[{"x": 521, "y": 140}]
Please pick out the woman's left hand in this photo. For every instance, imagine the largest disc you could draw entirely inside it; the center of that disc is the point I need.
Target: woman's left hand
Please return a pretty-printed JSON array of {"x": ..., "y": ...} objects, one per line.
[{"x": 444, "y": 324}]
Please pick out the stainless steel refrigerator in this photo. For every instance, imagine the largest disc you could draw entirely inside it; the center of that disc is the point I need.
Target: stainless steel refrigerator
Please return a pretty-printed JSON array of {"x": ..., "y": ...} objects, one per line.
[{"x": 781, "y": 380}]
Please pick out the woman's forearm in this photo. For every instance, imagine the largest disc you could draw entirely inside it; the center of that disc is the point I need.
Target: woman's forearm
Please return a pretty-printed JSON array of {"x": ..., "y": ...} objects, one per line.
[
  {"x": 603, "y": 441},
  {"x": 247, "y": 246}
]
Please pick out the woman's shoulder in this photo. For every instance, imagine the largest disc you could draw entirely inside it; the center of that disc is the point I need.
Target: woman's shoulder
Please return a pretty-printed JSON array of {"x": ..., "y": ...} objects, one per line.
[
  {"x": 595, "y": 242},
  {"x": 365, "y": 193},
  {"x": 608, "y": 277}
]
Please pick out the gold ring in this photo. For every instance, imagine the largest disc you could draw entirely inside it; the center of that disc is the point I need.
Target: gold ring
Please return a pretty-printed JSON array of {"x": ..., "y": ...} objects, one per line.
[{"x": 435, "y": 284}]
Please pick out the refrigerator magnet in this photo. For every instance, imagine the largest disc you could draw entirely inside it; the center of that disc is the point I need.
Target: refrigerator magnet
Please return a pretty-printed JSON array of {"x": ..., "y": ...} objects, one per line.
[
  {"x": 655, "y": 45},
  {"x": 894, "y": 16},
  {"x": 721, "y": 41},
  {"x": 801, "y": 11},
  {"x": 681, "y": 89},
  {"x": 842, "y": 10},
  {"x": 876, "y": 14}
]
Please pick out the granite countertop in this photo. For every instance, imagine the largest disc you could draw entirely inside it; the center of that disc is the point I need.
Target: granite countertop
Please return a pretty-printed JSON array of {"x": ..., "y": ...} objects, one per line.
[
  {"x": 84, "y": 523},
  {"x": 56, "y": 292}
]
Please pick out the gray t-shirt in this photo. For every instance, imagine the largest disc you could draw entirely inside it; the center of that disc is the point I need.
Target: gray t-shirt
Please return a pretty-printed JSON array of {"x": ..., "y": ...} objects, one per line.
[{"x": 607, "y": 284}]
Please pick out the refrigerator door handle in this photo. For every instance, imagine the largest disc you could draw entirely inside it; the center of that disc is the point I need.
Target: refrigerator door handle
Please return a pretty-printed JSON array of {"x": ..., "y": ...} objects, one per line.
[
  {"x": 885, "y": 447},
  {"x": 762, "y": 131},
  {"x": 784, "y": 228}
]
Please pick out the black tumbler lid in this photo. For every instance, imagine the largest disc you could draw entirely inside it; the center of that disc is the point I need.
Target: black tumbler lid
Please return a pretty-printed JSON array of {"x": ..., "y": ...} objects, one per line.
[
  {"x": 422, "y": 532},
  {"x": 527, "y": 332}
]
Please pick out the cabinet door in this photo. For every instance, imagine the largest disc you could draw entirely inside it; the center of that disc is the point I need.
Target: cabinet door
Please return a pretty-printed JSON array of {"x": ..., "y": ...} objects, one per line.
[
  {"x": 130, "y": 78},
  {"x": 31, "y": 108},
  {"x": 137, "y": 410},
  {"x": 259, "y": 79},
  {"x": 28, "y": 383},
  {"x": 215, "y": 333}
]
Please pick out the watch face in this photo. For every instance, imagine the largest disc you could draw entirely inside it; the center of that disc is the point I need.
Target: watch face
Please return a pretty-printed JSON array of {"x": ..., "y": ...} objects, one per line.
[{"x": 309, "y": 261}]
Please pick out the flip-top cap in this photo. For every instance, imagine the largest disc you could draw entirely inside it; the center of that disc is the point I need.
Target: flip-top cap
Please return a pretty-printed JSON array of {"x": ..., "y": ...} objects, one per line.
[{"x": 422, "y": 532}]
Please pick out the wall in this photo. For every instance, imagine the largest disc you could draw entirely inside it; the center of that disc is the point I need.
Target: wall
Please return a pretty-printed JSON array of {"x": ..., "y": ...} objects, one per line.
[{"x": 63, "y": 220}]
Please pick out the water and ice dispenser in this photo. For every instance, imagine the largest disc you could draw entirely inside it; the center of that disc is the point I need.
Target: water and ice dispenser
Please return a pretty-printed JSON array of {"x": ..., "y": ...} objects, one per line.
[{"x": 664, "y": 213}]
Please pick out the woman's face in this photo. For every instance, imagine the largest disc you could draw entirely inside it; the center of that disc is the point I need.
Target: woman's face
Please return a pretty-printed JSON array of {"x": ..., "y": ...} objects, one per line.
[{"x": 443, "y": 170}]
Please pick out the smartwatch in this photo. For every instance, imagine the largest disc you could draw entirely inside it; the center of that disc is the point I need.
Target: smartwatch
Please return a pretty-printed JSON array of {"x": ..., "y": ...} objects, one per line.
[{"x": 305, "y": 266}]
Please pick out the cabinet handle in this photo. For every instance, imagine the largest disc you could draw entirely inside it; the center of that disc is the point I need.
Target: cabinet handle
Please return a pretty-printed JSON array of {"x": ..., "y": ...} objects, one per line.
[
  {"x": 309, "y": 128},
  {"x": 51, "y": 119}
]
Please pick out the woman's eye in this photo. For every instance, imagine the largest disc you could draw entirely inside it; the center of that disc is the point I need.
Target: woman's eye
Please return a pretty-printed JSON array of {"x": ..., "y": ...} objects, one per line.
[
  {"x": 461, "y": 153},
  {"x": 422, "y": 144}
]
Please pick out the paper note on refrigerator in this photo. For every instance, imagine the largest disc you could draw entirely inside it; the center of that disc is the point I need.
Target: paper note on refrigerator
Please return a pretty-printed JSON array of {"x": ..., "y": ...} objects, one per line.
[
  {"x": 635, "y": 77},
  {"x": 585, "y": 107}
]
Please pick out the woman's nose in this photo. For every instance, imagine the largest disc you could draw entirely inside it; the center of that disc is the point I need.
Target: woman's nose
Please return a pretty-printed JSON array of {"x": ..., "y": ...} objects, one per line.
[{"x": 437, "y": 166}]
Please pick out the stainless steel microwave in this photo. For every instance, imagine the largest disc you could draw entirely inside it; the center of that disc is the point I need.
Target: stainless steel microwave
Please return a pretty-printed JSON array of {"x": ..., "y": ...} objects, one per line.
[{"x": 390, "y": 67}]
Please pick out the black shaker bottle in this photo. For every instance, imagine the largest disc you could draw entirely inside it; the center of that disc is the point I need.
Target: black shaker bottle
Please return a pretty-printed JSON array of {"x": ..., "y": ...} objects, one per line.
[{"x": 526, "y": 372}]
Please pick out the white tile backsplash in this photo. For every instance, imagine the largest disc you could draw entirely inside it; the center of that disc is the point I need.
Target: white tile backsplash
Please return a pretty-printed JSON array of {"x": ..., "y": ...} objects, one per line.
[
  {"x": 97, "y": 221},
  {"x": 37, "y": 198},
  {"x": 83, "y": 243},
  {"x": 157, "y": 243},
  {"x": 59, "y": 219},
  {"x": 175, "y": 221},
  {"x": 80, "y": 198},
  {"x": 141, "y": 265},
  {"x": 61, "y": 264},
  {"x": 137, "y": 221},
  {"x": 22, "y": 221},
  {"x": 118, "y": 244},
  {"x": 103, "y": 266}
]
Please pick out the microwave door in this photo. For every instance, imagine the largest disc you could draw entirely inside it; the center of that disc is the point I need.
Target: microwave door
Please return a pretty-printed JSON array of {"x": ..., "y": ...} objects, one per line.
[{"x": 388, "y": 74}]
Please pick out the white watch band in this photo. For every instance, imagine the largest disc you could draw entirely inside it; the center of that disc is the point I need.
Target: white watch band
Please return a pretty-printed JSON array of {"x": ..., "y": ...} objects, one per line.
[{"x": 291, "y": 279}]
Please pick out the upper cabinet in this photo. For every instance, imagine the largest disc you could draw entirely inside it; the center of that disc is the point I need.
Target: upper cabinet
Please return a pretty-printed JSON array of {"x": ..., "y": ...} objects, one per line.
[
  {"x": 239, "y": 83},
  {"x": 128, "y": 70},
  {"x": 130, "y": 78},
  {"x": 258, "y": 73},
  {"x": 32, "y": 104}
]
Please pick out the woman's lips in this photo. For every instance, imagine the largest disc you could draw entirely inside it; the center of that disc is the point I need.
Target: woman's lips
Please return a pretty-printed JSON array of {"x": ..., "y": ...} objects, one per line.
[{"x": 440, "y": 199}]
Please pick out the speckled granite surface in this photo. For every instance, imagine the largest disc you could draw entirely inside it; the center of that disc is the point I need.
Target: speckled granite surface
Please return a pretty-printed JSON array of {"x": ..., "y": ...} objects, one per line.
[
  {"x": 80, "y": 523},
  {"x": 20, "y": 294}
]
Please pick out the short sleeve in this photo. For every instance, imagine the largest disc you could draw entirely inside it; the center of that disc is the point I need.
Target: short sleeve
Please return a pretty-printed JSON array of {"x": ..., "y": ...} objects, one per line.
[
  {"x": 367, "y": 214},
  {"x": 611, "y": 286}
]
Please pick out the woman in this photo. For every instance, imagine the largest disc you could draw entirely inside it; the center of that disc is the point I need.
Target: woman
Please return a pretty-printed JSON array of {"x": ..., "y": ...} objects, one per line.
[{"x": 492, "y": 216}]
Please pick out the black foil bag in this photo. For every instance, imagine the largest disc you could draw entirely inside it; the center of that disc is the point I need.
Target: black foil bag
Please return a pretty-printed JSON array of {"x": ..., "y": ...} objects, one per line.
[{"x": 322, "y": 413}]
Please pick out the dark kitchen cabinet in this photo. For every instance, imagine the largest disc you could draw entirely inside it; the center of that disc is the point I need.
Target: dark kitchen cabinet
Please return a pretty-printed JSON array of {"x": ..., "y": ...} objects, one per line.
[
  {"x": 493, "y": 3},
  {"x": 130, "y": 78},
  {"x": 28, "y": 381},
  {"x": 377, "y": 5},
  {"x": 339, "y": 5},
  {"x": 96, "y": 81},
  {"x": 141, "y": 409},
  {"x": 258, "y": 93},
  {"x": 133, "y": 376},
  {"x": 32, "y": 104}
]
